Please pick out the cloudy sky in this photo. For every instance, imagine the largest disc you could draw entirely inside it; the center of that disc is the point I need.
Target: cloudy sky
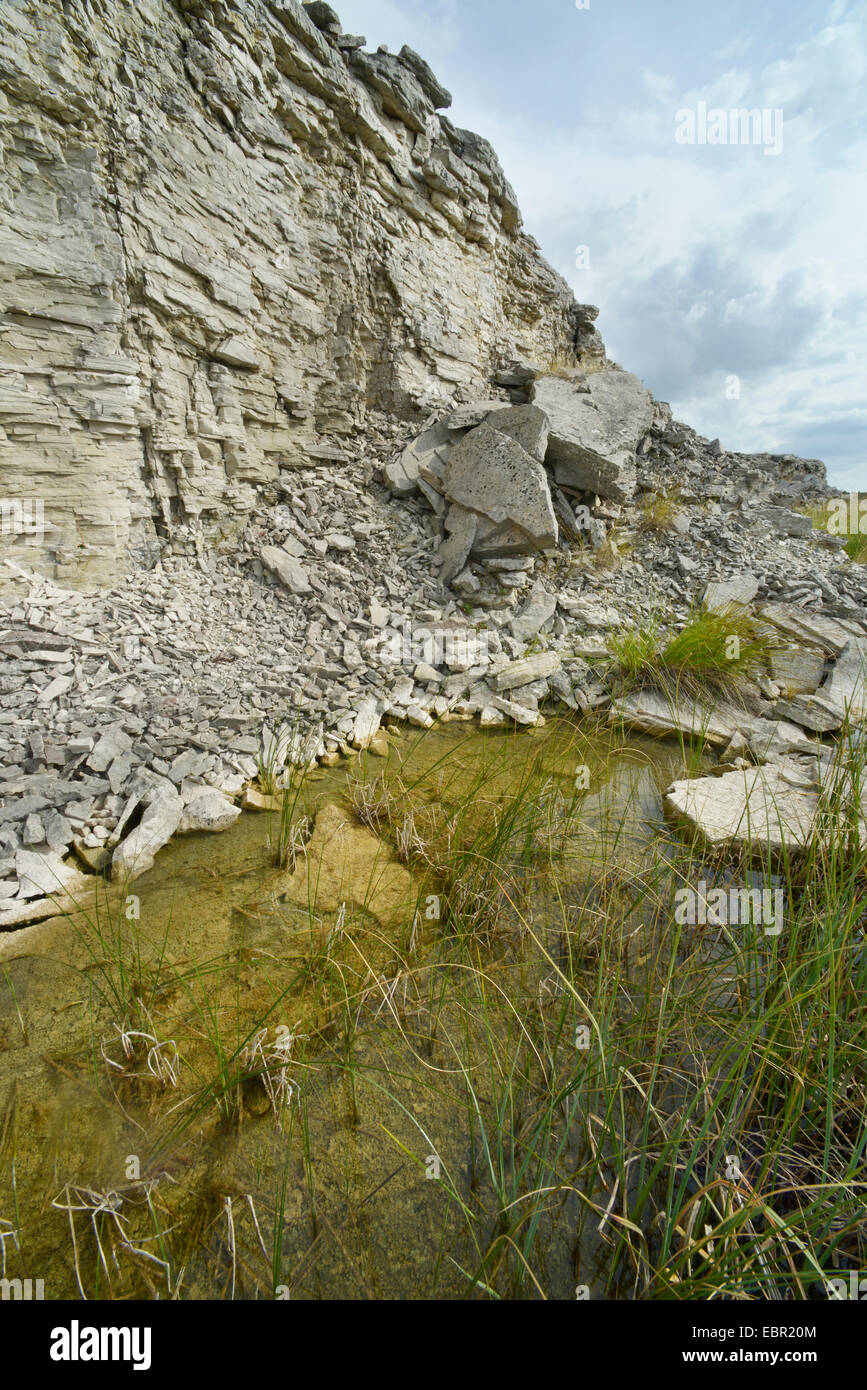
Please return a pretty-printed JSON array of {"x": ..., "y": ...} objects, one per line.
[{"x": 732, "y": 281}]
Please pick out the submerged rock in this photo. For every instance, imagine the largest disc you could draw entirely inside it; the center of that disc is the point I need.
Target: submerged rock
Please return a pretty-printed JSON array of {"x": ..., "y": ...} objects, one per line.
[
  {"x": 46, "y": 886},
  {"x": 346, "y": 863}
]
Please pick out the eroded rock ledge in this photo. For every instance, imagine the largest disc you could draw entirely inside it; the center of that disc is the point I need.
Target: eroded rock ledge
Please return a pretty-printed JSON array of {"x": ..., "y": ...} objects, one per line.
[{"x": 229, "y": 231}]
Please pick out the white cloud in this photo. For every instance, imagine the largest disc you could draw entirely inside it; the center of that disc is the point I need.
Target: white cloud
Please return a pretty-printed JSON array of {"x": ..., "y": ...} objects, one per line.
[
  {"x": 705, "y": 261},
  {"x": 711, "y": 260}
]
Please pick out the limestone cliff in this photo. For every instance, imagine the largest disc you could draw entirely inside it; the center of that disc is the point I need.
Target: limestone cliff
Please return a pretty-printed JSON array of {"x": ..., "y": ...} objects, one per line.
[{"x": 226, "y": 233}]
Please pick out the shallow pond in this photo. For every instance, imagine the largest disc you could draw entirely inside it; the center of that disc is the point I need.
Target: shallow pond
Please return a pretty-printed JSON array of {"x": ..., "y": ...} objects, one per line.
[{"x": 358, "y": 1076}]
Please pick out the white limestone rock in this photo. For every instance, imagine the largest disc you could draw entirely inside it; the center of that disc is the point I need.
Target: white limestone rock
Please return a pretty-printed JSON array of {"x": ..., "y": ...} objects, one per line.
[
  {"x": 597, "y": 421},
  {"x": 653, "y": 712},
  {"x": 490, "y": 473},
  {"x": 290, "y": 572},
  {"x": 755, "y": 806},
  {"x": 210, "y": 811},
  {"x": 163, "y": 811}
]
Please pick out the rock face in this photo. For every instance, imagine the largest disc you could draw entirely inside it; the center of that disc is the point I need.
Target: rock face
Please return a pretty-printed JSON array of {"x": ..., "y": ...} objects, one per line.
[
  {"x": 228, "y": 232},
  {"x": 597, "y": 422},
  {"x": 250, "y": 273}
]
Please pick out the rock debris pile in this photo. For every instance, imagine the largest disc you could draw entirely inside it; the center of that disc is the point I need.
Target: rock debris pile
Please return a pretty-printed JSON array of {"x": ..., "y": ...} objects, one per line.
[{"x": 308, "y": 477}]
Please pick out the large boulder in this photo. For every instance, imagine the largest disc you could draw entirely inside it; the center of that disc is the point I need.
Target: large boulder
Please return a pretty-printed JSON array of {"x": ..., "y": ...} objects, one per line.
[
  {"x": 527, "y": 425},
  {"x": 491, "y": 473},
  {"x": 597, "y": 421}
]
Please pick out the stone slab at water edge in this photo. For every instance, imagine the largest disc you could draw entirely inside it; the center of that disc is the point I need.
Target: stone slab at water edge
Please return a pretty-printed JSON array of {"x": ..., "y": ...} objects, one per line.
[{"x": 754, "y": 808}]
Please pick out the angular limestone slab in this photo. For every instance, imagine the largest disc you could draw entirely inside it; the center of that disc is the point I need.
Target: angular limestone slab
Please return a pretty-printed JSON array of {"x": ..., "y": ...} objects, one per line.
[
  {"x": 597, "y": 421},
  {"x": 811, "y": 629},
  {"x": 515, "y": 711},
  {"x": 432, "y": 446},
  {"x": 367, "y": 722},
  {"x": 655, "y": 713},
  {"x": 771, "y": 739},
  {"x": 720, "y": 595},
  {"x": 284, "y": 567},
  {"x": 209, "y": 811},
  {"x": 454, "y": 551},
  {"x": 506, "y": 541},
  {"x": 796, "y": 671},
  {"x": 751, "y": 807},
  {"x": 527, "y": 425},
  {"x": 491, "y": 473},
  {"x": 531, "y": 668},
  {"x": 162, "y": 816},
  {"x": 811, "y": 712},
  {"x": 536, "y": 613},
  {"x": 846, "y": 687},
  {"x": 467, "y": 417},
  {"x": 844, "y": 694}
]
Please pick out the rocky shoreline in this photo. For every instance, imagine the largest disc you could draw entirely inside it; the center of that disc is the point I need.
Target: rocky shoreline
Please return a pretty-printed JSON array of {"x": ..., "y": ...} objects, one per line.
[{"x": 130, "y": 714}]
